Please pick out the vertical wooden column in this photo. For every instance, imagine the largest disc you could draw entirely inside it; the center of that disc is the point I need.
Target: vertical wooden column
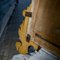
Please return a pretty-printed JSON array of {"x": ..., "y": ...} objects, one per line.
[{"x": 46, "y": 23}]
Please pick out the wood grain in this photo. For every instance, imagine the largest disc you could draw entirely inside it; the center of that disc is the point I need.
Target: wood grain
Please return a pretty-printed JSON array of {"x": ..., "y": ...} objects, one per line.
[{"x": 46, "y": 20}]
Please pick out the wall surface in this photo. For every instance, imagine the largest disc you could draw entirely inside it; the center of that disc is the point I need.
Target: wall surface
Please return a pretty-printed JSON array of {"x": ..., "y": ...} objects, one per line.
[{"x": 6, "y": 9}]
